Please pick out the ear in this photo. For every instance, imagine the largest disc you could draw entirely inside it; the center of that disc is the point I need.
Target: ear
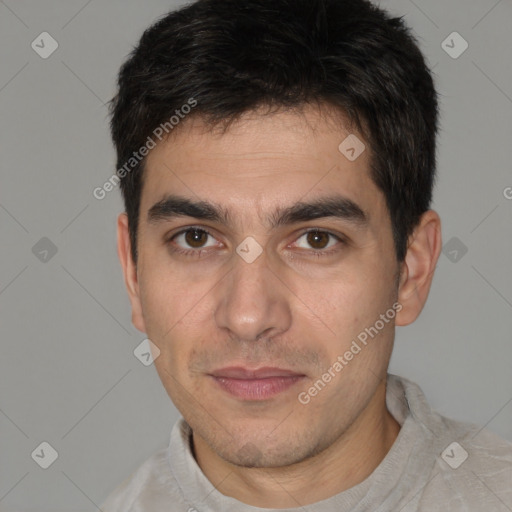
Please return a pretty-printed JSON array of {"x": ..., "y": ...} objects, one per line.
[
  {"x": 418, "y": 268},
  {"x": 129, "y": 271}
]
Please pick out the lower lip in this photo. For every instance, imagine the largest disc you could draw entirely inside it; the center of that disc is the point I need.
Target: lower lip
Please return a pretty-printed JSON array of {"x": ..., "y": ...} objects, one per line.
[{"x": 257, "y": 389}]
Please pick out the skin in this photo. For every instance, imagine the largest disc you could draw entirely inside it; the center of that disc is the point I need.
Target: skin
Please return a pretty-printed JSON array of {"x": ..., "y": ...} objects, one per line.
[{"x": 287, "y": 309}]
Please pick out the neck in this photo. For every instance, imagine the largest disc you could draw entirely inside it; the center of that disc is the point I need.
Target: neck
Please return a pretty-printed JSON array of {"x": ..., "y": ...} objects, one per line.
[{"x": 351, "y": 458}]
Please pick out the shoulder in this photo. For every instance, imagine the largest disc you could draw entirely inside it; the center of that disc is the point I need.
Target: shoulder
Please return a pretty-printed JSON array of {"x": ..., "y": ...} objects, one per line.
[
  {"x": 473, "y": 472},
  {"x": 477, "y": 450},
  {"x": 473, "y": 467},
  {"x": 469, "y": 468}
]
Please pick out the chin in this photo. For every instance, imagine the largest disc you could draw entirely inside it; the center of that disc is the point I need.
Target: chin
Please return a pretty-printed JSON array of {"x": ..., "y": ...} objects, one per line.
[{"x": 258, "y": 452}]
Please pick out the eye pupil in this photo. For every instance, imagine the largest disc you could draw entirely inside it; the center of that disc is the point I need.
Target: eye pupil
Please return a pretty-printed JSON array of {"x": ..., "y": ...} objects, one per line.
[{"x": 195, "y": 237}]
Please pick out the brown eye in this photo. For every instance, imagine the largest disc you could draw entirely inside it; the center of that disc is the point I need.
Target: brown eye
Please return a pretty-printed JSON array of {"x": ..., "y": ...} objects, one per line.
[
  {"x": 319, "y": 242},
  {"x": 196, "y": 237},
  {"x": 193, "y": 238},
  {"x": 318, "y": 239}
]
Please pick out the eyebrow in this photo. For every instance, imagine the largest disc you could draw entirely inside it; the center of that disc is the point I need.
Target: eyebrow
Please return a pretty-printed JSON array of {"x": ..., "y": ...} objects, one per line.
[{"x": 336, "y": 206}]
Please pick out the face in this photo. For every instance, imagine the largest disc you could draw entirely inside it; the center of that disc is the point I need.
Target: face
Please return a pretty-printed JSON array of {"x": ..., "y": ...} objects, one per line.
[{"x": 259, "y": 281}]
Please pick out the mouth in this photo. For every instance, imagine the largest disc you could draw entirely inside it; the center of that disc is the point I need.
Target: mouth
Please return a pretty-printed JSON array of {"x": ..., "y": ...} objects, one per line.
[{"x": 255, "y": 384}]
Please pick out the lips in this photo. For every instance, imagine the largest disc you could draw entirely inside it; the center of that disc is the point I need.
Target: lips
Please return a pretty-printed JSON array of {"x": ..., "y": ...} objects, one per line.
[
  {"x": 255, "y": 384},
  {"x": 237, "y": 372}
]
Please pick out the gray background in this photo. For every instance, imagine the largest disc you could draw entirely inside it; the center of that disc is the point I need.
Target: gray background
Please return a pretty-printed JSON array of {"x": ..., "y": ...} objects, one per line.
[{"x": 68, "y": 375}]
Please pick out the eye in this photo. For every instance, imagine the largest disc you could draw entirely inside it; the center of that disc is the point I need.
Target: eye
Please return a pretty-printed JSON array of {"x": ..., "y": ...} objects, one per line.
[
  {"x": 192, "y": 238},
  {"x": 318, "y": 240}
]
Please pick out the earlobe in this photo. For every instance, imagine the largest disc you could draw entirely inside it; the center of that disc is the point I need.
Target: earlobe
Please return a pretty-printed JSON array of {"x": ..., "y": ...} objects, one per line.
[
  {"x": 129, "y": 271},
  {"x": 419, "y": 266}
]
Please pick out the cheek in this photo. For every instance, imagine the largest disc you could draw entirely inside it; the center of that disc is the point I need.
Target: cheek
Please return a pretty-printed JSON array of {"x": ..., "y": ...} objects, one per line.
[
  {"x": 350, "y": 303},
  {"x": 339, "y": 300},
  {"x": 174, "y": 319},
  {"x": 162, "y": 312},
  {"x": 158, "y": 305},
  {"x": 166, "y": 296}
]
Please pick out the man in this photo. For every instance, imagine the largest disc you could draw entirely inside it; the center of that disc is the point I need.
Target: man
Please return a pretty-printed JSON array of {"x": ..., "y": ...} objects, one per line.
[{"x": 277, "y": 159}]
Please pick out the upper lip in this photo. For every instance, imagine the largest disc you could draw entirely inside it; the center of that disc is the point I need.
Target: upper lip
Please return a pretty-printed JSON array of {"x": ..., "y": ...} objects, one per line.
[{"x": 239, "y": 372}]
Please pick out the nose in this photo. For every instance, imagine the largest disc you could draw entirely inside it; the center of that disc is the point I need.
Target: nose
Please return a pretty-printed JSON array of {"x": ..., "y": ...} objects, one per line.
[{"x": 252, "y": 301}]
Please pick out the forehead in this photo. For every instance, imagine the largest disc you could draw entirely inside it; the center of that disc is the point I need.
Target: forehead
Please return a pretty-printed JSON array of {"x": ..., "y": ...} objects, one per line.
[{"x": 260, "y": 163}]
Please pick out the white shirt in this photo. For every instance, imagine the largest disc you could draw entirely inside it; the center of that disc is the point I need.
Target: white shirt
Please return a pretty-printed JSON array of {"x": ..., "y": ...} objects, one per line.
[{"x": 435, "y": 464}]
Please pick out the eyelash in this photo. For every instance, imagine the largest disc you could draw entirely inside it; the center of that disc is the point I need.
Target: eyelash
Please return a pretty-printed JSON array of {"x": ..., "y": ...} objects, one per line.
[{"x": 198, "y": 252}]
